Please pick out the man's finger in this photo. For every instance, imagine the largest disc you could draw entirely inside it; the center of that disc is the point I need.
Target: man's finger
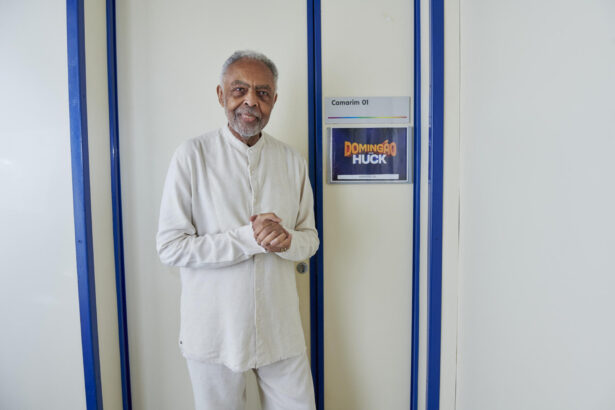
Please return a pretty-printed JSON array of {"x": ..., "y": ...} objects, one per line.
[
  {"x": 258, "y": 226},
  {"x": 268, "y": 232},
  {"x": 267, "y": 240},
  {"x": 266, "y": 227},
  {"x": 264, "y": 232},
  {"x": 269, "y": 236},
  {"x": 286, "y": 244},
  {"x": 281, "y": 247},
  {"x": 270, "y": 216},
  {"x": 278, "y": 239}
]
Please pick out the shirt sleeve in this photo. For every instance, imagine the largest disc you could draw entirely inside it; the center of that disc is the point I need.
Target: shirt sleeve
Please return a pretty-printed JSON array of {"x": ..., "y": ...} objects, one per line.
[
  {"x": 305, "y": 242},
  {"x": 177, "y": 241}
]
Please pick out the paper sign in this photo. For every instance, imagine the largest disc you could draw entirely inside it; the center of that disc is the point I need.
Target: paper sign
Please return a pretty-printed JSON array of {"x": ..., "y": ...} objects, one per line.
[
  {"x": 367, "y": 110},
  {"x": 368, "y": 155}
]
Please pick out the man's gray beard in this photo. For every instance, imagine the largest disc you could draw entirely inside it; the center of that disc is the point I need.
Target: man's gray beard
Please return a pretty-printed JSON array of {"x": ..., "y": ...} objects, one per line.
[{"x": 245, "y": 132}]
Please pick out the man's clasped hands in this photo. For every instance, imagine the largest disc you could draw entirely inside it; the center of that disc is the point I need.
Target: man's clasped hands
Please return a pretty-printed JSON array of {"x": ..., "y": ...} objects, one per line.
[{"x": 269, "y": 232}]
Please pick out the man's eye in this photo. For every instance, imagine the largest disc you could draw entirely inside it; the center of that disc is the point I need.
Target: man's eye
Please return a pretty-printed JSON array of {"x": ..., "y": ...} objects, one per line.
[
  {"x": 263, "y": 93},
  {"x": 238, "y": 90}
]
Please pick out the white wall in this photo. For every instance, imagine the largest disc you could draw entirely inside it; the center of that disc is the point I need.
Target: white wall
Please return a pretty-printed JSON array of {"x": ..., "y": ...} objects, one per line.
[
  {"x": 537, "y": 139},
  {"x": 41, "y": 365}
]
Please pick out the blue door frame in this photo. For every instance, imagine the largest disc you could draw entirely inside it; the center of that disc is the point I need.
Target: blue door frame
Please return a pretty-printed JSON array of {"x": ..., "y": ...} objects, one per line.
[
  {"x": 82, "y": 210},
  {"x": 435, "y": 189}
]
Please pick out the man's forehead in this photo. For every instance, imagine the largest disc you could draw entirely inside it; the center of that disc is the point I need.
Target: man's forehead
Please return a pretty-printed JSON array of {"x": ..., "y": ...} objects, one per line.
[{"x": 249, "y": 71}]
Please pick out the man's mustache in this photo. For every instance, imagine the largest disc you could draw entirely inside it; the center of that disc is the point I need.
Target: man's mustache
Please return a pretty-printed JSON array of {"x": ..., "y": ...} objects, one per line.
[{"x": 249, "y": 111}]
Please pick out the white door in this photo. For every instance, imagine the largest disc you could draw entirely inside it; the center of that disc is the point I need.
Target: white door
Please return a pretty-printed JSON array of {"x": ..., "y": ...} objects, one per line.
[{"x": 169, "y": 60}]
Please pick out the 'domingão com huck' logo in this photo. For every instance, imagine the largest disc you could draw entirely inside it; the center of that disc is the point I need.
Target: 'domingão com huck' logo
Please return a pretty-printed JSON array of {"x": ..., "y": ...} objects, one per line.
[{"x": 369, "y": 153}]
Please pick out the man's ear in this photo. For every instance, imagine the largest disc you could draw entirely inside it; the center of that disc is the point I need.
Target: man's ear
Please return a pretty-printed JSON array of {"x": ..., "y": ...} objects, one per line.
[
  {"x": 220, "y": 95},
  {"x": 275, "y": 98}
]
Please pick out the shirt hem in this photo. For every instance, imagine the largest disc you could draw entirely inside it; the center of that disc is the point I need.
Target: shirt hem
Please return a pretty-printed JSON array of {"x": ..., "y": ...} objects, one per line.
[{"x": 238, "y": 367}]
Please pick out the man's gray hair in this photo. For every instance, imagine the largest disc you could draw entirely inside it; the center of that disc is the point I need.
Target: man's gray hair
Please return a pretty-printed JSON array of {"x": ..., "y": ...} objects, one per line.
[{"x": 252, "y": 55}]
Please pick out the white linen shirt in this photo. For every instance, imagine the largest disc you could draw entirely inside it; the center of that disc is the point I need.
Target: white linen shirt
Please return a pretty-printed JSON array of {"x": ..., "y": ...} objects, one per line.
[{"x": 239, "y": 303}]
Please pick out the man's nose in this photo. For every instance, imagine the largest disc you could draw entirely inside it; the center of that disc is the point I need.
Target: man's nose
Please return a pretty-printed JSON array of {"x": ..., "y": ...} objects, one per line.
[{"x": 251, "y": 99}]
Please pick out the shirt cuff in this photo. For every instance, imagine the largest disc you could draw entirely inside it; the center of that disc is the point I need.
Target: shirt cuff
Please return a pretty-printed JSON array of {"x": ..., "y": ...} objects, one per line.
[{"x": 245, "y": 234}]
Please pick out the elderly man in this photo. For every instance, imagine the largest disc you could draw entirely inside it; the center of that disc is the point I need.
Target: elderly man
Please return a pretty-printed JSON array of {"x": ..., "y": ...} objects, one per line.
[{"x": 236, "y": 214}]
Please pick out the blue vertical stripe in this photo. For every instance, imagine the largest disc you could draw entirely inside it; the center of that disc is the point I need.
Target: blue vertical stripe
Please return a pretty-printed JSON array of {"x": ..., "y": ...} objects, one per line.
[
  {"x": 116, "y": 199},
  {"x": 416, "y": 208},
  {"x": 436, "y": 158},
  {"x": 315, "y": 162},
  {"x": 81, "y": 202}
]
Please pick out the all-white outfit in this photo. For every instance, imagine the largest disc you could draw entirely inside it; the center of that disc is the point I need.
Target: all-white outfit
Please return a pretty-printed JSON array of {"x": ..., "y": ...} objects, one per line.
[{"x": 239, "y": 303}]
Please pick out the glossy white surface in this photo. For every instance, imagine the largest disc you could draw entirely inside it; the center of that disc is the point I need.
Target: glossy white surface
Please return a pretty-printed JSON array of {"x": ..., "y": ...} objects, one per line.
[
  {"x": 537, "y": 140},
  {"x": 169, "y": 60},
  {"x": 367, "y": 50},
  {"x": 41, "y": 364}
]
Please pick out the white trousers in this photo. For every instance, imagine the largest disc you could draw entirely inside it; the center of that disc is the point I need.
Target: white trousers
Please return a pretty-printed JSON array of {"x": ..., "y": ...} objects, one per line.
[{"x": 283, "y": 385}]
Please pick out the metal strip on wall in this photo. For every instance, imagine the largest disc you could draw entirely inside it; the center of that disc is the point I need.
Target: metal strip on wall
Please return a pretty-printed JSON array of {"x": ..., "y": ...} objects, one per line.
[
  {"x": 416, "y": 207},
  {"x": 436, "y": 168},
  {"x": 316, "y": 167},
  {"x": 81, "y": 202}
]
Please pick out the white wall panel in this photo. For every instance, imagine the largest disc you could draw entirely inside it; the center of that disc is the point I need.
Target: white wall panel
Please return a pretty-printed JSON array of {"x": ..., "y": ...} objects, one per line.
[
  {"x": 41, "y": 364},
  {"x": 537, "y": 200}
]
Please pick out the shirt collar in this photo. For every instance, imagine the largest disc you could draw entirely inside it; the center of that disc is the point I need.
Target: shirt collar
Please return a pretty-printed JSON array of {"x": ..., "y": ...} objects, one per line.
[{"x": 240, "y": 145}]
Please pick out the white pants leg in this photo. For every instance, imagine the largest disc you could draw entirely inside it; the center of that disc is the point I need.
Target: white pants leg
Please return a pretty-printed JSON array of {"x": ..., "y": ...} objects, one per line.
[
  {"x": 287, "y": 385},
  {"x": 216, "y": 387},
  {"x": 284, "y": 385}
]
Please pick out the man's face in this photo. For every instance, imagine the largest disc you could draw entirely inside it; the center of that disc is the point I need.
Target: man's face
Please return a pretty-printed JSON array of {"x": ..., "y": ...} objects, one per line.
[{"x": 247, "y": 95}]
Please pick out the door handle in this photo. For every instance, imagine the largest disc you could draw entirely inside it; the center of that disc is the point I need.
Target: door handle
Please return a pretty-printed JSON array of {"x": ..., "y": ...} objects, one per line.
[{"x": 301, "y": 267}]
